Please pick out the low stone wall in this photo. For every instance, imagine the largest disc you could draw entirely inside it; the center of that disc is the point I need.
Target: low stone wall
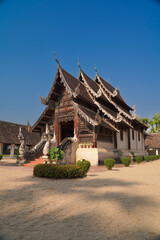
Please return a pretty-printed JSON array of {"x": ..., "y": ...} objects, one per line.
[{"x": 97, "y": 155}]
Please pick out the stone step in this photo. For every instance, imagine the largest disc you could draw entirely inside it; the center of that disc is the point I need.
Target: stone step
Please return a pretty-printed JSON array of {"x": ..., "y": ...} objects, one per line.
[
  {"x": 34, "y": 163},
  {"x": 37, "y": 161}
]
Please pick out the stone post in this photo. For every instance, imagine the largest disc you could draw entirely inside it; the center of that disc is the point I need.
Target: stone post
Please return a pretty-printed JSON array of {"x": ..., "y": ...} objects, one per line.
[
  {"x": 12, "y": 150},
  {"x": 1, "y": 148},
  {"x": 156, "y": 151}
]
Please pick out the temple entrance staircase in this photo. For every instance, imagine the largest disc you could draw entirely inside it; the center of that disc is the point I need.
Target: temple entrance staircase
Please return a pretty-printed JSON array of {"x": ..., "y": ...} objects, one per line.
[
  {"x": 33, "y": 163},
  {"x": 68, "y": 146}
]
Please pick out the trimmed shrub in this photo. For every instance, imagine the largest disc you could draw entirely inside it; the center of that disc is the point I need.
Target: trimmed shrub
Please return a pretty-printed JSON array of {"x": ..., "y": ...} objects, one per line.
[
  {"x": 58, "y": 171},
  {"x": 1, "y": 157},
  {"x": 147, "y": 158},
  {"x": 109, "y": 163},
  {"x": 139, "y": 159},
  {"x": 151, "y": 158},
  {"x": 84, "y": 165},
  {"x": 154, "y": 157},
  {"x": 126, "y": 161}
]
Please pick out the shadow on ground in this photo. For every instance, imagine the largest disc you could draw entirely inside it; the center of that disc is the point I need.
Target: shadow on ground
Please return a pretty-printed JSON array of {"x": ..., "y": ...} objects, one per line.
[{"x": 67, "y": 221}]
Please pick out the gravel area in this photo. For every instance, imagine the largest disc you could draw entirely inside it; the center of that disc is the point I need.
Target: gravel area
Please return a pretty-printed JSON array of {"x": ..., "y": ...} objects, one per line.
[{"x": 120, "y": 204}]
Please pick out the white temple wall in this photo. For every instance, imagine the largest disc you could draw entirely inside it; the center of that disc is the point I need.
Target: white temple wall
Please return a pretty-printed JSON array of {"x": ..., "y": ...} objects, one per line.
[
  {"x": 122, "y": 144},
  {"x": 140, "y": 144},
  {"x": 133, "y": 142}
]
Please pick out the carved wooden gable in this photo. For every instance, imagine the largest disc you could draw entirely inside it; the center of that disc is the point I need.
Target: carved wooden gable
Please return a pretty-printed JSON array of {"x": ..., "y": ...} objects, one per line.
[{"x": 65, "y": 108}]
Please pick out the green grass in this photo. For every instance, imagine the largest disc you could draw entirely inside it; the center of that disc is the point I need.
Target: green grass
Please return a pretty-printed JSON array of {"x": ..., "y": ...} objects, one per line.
[{"x": 7, "y": 155}]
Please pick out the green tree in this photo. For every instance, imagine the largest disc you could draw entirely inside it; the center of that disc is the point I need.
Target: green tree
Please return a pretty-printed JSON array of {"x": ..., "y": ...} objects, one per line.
[
  {"x": 156, "y": 121},
  {"x": 153, "y": 130},
  {"x": 145, "y": 121}
]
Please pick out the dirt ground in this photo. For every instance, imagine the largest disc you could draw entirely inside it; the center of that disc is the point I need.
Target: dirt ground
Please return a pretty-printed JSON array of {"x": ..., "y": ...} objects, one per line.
[{"x": 120, "y": 204}]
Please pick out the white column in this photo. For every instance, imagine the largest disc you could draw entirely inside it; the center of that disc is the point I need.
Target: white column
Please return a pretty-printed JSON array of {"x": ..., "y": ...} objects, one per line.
[
  {"x": 156, "y": 151},
  {"x": 1, "y": 148},
  {"x": 12, "y": 150}
]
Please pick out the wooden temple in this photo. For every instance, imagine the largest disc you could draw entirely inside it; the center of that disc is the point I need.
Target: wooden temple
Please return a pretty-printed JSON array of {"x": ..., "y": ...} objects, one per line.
[{"x": 94, "y": 112}]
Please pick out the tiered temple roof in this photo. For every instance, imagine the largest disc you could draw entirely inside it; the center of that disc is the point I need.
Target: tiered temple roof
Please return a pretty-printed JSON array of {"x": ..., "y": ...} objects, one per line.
[{"x": 95, "y": 100}]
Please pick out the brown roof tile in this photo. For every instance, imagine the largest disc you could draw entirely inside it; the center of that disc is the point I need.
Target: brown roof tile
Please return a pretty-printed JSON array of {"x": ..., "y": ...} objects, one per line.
[
  {"x": 9, "y": 134},
  {"x": 153, "y": 141},
  {"x": 92, "y": 84}
]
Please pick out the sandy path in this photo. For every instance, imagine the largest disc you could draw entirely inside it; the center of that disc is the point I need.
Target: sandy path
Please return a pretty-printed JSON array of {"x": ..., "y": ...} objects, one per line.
[{"x": 119, "y": 204}]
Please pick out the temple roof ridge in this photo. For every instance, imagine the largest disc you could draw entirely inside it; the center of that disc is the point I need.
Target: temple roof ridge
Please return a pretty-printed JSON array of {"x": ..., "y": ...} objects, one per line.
[{"x": 90, "y": 84}]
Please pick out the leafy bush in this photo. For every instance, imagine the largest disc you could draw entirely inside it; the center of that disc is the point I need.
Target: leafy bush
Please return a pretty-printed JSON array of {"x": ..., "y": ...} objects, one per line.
[
  {"x": 84, "y": 165},
  {"x": 58, "y": 171},
  {"x": 109, "y": 163},
  {"x": 154, "y": 157},
  {"x": 56, "y": 154},
  {"x": 1, "y": 156},
  {"x": 147, "y": 158},
  {"x": 126, "y": 161},
  {"x": 151, "y": 157},
  {"x": 138, "y": 159}
]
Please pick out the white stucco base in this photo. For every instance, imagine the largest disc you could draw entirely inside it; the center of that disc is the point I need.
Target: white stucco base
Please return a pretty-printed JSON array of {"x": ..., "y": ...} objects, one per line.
[{"x": 91, "y": 154}]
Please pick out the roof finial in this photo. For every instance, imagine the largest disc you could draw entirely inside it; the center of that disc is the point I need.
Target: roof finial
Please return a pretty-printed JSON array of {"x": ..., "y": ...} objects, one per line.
[
  {"x": 95, "y": 68},
  {"x": 56, "y": 59},
  {"x": 109, "y": 79},
  {"x": 79, "y": 64},
  {"x": 134, "y": 107}
]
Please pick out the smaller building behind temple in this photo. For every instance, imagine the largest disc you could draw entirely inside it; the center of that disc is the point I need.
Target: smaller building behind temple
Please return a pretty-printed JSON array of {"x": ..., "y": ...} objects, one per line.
[{"x": 9, "y": 142}]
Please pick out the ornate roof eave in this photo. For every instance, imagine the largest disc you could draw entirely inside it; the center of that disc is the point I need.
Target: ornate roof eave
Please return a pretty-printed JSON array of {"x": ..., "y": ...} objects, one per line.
[
  {"x": 71, "y": 93},
  {"x": 97, "y": 117},
  {"x": 114, "y": 128},
  {"x": 84, "y": 116},
  {"x": 117, "y": 107},
  {"x": 110, "y": 93},
  {"x": 127, "y": 123},
  {"x": 139, "y": 123},
  {"x": 40, "y": 118},
  {"x": 118, "y": 119},
  {"x": 99, "y": 92}
]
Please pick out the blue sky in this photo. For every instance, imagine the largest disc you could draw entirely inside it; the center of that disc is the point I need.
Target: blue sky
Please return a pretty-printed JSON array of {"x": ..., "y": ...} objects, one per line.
[{"x": 122, "y": 37}]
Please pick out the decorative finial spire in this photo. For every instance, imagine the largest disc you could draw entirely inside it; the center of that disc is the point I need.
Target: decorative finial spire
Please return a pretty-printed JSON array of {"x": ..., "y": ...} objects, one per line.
[
  {"x": 95, "y": 68},
  {"x": 108, "y": 79},
  {"x": 56, "y": 59},
  {"x": 134, "y": 107},
  {"x": 79, "y": 65}
]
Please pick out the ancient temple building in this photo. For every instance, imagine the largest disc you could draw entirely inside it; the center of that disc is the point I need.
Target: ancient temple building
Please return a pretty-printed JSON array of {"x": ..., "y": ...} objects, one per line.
[{"x": 93, "y": 112}]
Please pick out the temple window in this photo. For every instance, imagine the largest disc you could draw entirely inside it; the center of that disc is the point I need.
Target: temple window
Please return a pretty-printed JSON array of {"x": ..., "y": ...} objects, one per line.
[
  {"x": 121, "y": 135},
  {"x": 139, "y": 136},
  {"x": 132, "y": 134}
]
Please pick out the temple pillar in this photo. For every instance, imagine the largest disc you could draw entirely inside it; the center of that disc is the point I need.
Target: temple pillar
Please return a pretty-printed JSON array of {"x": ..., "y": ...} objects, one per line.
[
  {"x": 12, "y": 150},
  {"x": 1, "y": 148},
  {"x": 56, "y": 126},
  {"x": 94, "y": 137},
  {"x": 76, "y": 123}
]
